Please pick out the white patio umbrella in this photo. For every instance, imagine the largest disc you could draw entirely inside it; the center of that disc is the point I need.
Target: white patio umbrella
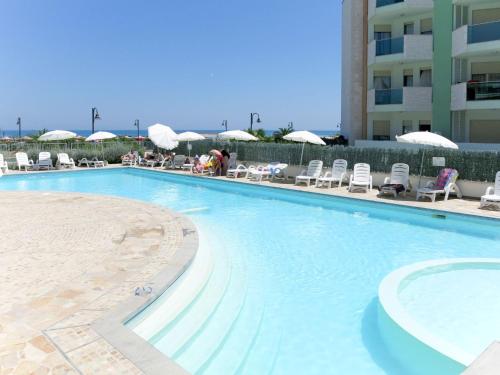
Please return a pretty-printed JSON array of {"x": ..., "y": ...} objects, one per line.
[
  {"x": 57, "y": 135},
  {"x": 237, "y": 135},
  {"x": 426, "y": 139},
  {"x": 100, "y": 136},
  {"x": 304, "y": 137},
  {"x": 189, "y": 137},
  {"x": 163, "y": 136}
]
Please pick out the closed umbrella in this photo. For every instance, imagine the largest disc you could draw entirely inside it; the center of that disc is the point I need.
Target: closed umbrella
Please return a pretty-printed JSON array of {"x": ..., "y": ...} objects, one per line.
[
  {"x": 426, "y": 139},
  {"x": 163, "y": 136},
  {"x": 57, "y": 135},
  {"x": 304, "y": 137},
  {"x": 189, "y": 137}
]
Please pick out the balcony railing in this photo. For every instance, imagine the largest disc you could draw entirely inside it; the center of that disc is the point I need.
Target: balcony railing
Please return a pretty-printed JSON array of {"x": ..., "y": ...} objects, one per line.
[
  {"x": 383, "y": 3},
  {"x": 484, "y": 32},
  {"x": 483, "y": 91},
  {"x": 390, "y": 96},
  {"x": 390, "y": 46}
]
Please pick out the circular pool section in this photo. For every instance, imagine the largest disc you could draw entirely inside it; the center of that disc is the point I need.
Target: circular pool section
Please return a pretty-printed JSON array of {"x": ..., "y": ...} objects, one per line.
[{"x": 444, "y": 312}]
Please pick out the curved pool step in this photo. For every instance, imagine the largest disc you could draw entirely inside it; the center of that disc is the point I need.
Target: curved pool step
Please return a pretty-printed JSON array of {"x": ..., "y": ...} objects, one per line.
[
  {"x": 178, "y": 297},
  {"x": 202, "y": 346},
  {"x": 200, "y": 310},
  {"x": 240, "y": 340}
]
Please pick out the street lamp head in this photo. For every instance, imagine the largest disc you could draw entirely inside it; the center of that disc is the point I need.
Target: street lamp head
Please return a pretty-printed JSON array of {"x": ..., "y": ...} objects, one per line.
[
  {"x": 258, "y": 119},
  {"x": 96, "y": 116}
]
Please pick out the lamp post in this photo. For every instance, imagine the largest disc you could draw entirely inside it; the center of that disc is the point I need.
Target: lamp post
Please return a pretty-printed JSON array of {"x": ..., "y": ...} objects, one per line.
[
  {"x": 224, "y": 124},
  {"x": 251, "y": 119},
  {"x": 19, "y": 126},
  {"x": 95, "y": 116},
  {"x": 136, "y": 124}
]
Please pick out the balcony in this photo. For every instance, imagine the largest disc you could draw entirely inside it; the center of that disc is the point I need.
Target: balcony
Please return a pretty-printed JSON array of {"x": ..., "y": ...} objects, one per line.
[
  {"x": 408, "y": 48},
  {"x": 475, "y": 95},
  {"x": 386, "y": 9},
  {"x": 476, "y": 40},
  {"x": 406, "y": 99}
]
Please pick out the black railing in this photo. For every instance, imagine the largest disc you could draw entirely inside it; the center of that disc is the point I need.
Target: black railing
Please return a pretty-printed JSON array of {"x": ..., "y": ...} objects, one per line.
[
  {"x": 483, "y": 91},
  {"x": 390, "y": 46}
]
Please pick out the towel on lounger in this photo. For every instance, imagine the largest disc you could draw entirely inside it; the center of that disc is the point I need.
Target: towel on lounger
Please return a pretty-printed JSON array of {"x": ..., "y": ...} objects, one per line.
[{"x": 397, "y": 187}]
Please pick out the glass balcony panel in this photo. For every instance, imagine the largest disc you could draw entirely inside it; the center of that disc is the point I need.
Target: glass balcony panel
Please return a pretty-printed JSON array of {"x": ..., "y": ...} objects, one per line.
[
  {"x": 483, "y": 91},
  {"x": 392, "y": 96},
  {"x": 484, "y": 32},
  {"x": 383, "y": 3},
  {"x": 390, "y": 46}
]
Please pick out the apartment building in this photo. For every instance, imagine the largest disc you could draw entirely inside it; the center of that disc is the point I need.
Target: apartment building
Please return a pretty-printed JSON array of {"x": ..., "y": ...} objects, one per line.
[{"x": 412, "y": 65}]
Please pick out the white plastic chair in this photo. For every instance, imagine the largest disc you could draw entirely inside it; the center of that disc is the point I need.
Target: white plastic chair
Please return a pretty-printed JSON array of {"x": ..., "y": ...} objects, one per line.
[
  {"x": 312, "y": 172},
  {"x": 23, "y": 161},
  {"x": 400, "y": 175},
  {"x": 4, "y": 167},
  {"x": 337, "y": 174},
  {"x": 236, "y": 172},
  {"x": 431, "y": 189},
  {"x": 233, "y": 156},
  {"x": 44, "y": 160},
  {"x": 64, "y": 161},
  {"x": 492, "y": 196},
  {"x": 361, "y": 178}
]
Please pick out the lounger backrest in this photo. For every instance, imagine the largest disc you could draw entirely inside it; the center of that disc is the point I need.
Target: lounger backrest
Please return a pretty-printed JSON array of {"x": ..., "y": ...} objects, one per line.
[
  {"x": 204, "y": 159},
  {"x": 22, "y": 158},
  {"x": 400, "y": 174},
  {"x": 314, "y": 169},
  {"x": 362, "y": 172},
  {"x": 497, "y": 184},
  {"x": 179, "y": 159},
  {"x": 232, "y": 159},
  {"x": 339, "y": 168},
  {"x": 43, "y": 157},
  {"x": 63, "y": 158},
  {"x": 445, "y": 177}
]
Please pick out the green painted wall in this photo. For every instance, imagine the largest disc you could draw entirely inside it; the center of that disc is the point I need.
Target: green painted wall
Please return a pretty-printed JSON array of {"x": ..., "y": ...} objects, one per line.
[{"x": 442, "y": 67}]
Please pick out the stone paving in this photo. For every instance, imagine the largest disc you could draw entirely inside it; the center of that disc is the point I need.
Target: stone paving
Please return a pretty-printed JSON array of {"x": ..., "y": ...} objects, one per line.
[{"x": 67, "y": 259}]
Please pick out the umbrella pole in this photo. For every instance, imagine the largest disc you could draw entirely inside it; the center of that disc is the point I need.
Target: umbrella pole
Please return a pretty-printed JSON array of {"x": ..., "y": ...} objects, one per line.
[
  {"x": 421, "y": 169},
  {"x": 302, "y": 153},
  {"x": 189, "y": 150}
]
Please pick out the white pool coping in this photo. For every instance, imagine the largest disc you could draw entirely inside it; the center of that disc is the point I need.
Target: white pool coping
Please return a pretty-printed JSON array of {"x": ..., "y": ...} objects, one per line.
[{"x": 390, "y": 288}]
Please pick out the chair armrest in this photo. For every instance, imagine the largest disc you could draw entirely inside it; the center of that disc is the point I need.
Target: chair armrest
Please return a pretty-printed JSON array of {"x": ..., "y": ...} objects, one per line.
[
  {"x": 303, "y": 172},
  {"x": 327, "y": 174},
  {"x": 387, "y": 180},
  {"x": 429, "y": 184},
  {"x": 490, "y": 190}
]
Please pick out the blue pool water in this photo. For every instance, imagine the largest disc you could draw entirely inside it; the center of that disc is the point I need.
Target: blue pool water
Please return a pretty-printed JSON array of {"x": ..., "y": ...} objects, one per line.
[{"x": 293, "y": 284}]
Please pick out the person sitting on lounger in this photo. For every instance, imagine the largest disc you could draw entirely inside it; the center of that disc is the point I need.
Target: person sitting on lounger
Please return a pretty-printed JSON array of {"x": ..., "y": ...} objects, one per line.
[{"x": 129, "y": 156}]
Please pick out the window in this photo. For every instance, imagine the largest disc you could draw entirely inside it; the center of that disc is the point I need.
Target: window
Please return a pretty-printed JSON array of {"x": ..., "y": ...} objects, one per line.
[
  {"x": 425, "y": 77},
  {"x": 484, "y": 131},
  {"x": 408, "y": 78},
  {"x": 381, "y": 130},
  {"x": 426, "y": 26},
  {"x": 382, "y": 80},
  {"x": 382, "y": 32},
  {"x": 424, "y": 126},
  {"x": 407, "y": 126},
  {"x": 409, "y": 28}
]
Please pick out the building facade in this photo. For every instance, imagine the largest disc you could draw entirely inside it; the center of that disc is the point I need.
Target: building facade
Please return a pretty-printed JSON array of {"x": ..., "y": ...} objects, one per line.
[{"x": 411, "y": 65}]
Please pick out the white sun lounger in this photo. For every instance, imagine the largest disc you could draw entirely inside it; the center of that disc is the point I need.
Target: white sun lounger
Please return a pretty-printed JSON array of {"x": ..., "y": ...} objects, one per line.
[
  {"x": 361, "y": 178},
  {"x": 400, "y": 175},
  {"x": 312, "y": 173},
  {"x": 4, "y": 167},
  {"x": 44, "y": 160},
  {"x": 64, "y": 161},
  {"x": 94, "y": 162},
  {"x": 432, "y": 189},
  {"x": 337, "y": 174},
  {"x": 236, "y": 172},
  {"x": 23, "y": 161},
  {"x": 492, "y": 196}
]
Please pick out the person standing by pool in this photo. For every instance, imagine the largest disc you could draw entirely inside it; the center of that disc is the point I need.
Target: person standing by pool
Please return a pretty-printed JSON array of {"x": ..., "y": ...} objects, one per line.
[{"x": 225, "y": 162}]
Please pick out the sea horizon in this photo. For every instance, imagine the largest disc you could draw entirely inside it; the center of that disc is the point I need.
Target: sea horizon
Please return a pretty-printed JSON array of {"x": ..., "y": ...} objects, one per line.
[{"x": 143, "y": 132}]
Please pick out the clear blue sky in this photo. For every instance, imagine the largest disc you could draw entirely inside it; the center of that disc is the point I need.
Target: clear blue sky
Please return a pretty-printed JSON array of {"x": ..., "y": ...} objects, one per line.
[{"x": 186, "y": 63}]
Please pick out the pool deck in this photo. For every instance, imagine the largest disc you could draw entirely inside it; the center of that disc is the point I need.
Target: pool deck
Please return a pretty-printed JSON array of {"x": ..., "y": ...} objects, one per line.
[
  {"x": 94, "y": 252},
  {"x": 70, "y": 266}
]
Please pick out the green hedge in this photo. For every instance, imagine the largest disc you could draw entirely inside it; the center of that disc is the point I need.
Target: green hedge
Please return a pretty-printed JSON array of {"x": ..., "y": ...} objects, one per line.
[{"x": 476, "y": 166}]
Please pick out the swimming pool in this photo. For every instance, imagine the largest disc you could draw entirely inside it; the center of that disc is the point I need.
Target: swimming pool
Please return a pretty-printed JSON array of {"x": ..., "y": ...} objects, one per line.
[{"x": 290, "y": 279}]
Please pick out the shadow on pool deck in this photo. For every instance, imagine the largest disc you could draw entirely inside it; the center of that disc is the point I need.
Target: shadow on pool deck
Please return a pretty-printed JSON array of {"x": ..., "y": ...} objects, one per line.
[{"x": 374, "y": 343}]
